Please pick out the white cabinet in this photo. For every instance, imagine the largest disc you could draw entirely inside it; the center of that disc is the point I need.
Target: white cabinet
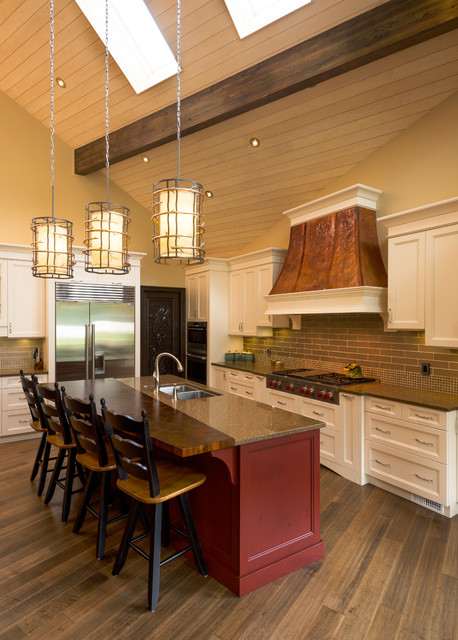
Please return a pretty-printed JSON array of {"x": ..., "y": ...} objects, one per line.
[
  {"x": 406, "y": 282},
  {"x": 219, "y": 378},
  {"x": 413, "y": 449},
  {"x": 15, "y": 413},
  {"x": 26, "y": 305},
  {"x": 3, "y": 293},
  {"x": 197, "y": 292},
  {"x": 441, "y": 299},
  {"x": 251, "y": 278},
  {"x": 242, "y": 383},
  {"x": 422, "y": 265},
  {"x": 282, "y": 400}
]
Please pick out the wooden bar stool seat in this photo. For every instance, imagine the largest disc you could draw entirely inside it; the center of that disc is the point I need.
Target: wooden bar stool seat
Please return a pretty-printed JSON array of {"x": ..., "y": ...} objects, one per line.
[
  {"x": 59, "y": 436},
  {"x": 150, "y": 483},
  {"x": 42, "y": 456},
  {"x": 94, "y": 455}
]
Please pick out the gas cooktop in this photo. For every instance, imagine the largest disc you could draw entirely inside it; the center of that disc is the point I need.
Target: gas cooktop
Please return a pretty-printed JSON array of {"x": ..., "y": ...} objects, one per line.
[{"x": 312, "y": 383}]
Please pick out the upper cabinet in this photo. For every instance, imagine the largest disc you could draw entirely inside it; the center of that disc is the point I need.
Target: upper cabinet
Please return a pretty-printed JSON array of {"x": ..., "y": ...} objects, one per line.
[
  {"x": 23, "y": 297},
  {"x": 422, "y": 264},
  {"x": 197, "y": 292},
  {"x": 251, "y": 278}
]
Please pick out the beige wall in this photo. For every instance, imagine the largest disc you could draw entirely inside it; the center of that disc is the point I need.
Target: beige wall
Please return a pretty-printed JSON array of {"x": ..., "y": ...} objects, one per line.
[
  {"x": 26, "y": 192},
  {"x": 416, "y": 167}
]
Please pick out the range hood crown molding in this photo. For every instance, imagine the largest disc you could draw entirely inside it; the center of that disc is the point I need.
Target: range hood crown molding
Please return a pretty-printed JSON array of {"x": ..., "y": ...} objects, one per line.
[
  {"x": 346, "y": 300},
  {"x": 357, "y": 195}
]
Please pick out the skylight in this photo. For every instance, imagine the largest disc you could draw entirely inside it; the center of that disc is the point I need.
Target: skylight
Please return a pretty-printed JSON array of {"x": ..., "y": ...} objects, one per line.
[
  {"x": 134, "y": 40},
  {"x": 251, "y": 15}
]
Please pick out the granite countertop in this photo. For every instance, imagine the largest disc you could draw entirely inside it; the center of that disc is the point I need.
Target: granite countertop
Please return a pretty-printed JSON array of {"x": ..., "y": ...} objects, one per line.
[
  {"x": 422, "y": 397},
  {"x": 15, "y": 371},
  {"x": 242, "y": 419}
]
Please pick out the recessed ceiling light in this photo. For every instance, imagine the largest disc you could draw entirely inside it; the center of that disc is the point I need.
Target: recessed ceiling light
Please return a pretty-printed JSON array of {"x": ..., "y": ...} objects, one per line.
[
  {"x": 255, "y": 142},
  {"x": 145, "y": 158},
  {"x": 209, "y": 194},
  {"x": 134, "y": 40},
  {"x": 61, "y": 82}
]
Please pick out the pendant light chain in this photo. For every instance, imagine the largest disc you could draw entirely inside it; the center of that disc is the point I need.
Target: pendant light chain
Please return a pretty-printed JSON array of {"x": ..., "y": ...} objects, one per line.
[
  {"x": 51, "y": 55},
  {"x": 178, "y": 82},
  {"x": 107, "y": 117}
]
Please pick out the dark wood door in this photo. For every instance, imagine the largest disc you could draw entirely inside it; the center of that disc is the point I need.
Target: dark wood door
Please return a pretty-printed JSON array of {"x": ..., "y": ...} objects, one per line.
[{"x": 162, "y": 327}]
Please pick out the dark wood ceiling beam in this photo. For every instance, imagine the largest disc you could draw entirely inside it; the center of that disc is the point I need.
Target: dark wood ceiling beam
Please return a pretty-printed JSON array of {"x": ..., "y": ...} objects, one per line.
[{"x": 384, "y": 30}]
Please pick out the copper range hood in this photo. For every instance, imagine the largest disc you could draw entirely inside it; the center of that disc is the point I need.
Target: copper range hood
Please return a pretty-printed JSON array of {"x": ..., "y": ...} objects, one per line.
[{"x": 333, "y": 264}]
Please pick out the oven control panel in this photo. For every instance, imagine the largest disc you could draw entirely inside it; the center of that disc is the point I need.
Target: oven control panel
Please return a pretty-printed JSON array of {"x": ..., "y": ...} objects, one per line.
[{"x": 325, "y": 393}]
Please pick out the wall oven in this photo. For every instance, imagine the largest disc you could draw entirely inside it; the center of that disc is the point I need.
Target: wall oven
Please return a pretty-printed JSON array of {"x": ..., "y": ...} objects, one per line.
[{"x": 196, "y": 352}]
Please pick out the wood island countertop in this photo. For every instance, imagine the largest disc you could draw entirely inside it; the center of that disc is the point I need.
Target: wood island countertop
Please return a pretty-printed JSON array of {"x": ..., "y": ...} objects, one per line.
[{"x": 192, "y": 426}]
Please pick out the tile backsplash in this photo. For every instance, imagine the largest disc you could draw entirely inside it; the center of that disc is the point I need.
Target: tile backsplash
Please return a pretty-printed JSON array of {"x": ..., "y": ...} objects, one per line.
[
  {"x": 329, "y": 342},
  {"x": 17, "y": 353}
]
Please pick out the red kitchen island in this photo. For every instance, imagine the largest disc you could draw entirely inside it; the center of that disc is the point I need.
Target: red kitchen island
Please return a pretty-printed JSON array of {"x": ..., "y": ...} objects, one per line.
[{"x": 257, "y": 514}]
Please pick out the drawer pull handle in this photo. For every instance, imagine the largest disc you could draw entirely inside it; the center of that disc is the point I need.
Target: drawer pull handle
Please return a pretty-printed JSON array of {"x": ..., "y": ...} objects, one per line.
[
  {"x": 282, "y": 403},
  {"x": 233, "y": 388},
  {"x": 260, "y": 378},
  {"x": 344, "y": 395},
  {"x": 421, "y": 478},
  {"x": 419, "y": 415},
  {"x": 387, "y": 431},
  {"x": 384, "y": 464},
  {"x": 429, "y": 444},
  {"x": 249, "y": 377},
  {"x": 234, "y": 374},
  {"x": 380, "y": 406},
  {"x": 317, "y": 413},
  {"x": 21, "y": 398},
  {"x": 249, "y": 393},
  {"x": 23, "y": 421},
  {"x": 321, "y": 441}
]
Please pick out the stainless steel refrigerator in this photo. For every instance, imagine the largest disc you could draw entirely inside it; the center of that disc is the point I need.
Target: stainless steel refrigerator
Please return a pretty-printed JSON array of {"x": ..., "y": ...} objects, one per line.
[{"x": 95, "y": 331}]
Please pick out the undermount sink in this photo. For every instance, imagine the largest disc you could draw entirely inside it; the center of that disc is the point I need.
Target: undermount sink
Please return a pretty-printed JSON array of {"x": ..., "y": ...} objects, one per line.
[{"x": 186, "y": 392}]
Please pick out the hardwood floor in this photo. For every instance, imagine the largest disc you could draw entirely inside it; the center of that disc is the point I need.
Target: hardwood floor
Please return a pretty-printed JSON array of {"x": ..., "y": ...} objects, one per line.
[{"x": 390, "y": 572}]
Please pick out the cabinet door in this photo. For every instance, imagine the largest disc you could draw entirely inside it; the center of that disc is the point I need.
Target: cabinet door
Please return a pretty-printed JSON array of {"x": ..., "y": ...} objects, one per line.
[
  {"x": 26, "y": 302},
  {"x": 441, "y": 299},
  {"x": 406, "y": 282},
  {"x": 219, "y": 378},
  {"x": 264, "y": 283},
  {"x": 3, "y": 293},
  {"x": 351, "y": 431},
  {"x": 191, "y": 297},
  {"x": 250, "y": 297},
  {"x": 202, "y": 297},
  {"x": 236, "y": 302}
]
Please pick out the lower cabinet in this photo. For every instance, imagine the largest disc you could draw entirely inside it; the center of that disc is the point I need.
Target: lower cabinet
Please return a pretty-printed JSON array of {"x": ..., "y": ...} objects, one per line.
[
  {"x": 15, "y": 418},
  {"x": 413, "y": 449},
  {"x": 241, "y": 383}
]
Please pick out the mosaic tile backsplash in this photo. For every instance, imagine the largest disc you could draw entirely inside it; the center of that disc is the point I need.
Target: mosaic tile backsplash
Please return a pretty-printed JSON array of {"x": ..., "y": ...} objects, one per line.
[
  {"x": 17, "y": 353},
  {"x": 329, "y": 342}
]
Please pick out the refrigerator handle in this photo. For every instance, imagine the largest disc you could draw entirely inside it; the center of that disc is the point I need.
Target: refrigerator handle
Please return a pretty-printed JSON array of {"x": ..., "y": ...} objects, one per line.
[
  {"x": 86, "y": 349},
  {"x": 93, "y": 349}
]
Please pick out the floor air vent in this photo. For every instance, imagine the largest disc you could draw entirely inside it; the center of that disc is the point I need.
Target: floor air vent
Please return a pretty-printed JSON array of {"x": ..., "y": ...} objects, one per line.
[{"x": 429, "y": 504}]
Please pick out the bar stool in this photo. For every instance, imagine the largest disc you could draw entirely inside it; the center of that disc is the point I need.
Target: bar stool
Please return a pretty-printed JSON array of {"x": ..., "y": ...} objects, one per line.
[
  {"x": 149, "y": 484},
  {"x": 92, "y": 454},
  {"x": 59, "y": 435},
  {"x": 42, "y": 456}
]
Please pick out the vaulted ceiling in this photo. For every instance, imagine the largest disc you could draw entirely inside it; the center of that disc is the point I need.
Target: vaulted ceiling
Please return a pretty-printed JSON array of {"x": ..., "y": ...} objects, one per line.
[{"x": 308, "y": 138}]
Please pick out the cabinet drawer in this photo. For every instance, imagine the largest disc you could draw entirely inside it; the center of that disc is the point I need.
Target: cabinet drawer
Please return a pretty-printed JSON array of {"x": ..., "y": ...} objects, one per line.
[
  {"x": 328, "y": 444},
  {"x": 241, "y": 390},
  {"x": 384, "y": 407},
  {"x": 282, "y": 401},
  {"x": 424, "y": 416},
  {"x": 429, "y": 443},
  {"x": 13, "y": 398},
  {"x": 409, "y": 472},
  {"x": 320, "y": 411},
  {"x": 16, "y": 422},
  {"x": 10, "y": 382},
  {"x": 241, "y": 376}
]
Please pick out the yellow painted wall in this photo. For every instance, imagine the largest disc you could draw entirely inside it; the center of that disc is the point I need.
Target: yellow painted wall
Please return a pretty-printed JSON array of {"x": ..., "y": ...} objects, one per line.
[
  {"x": 25, "y": 191},
  {"x": 417, "y": 167}
]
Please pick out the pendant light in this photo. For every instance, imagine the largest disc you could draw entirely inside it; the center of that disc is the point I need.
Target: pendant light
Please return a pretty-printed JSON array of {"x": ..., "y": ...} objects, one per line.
[
  {"x": 52, "y": 237},
  {"x": 177, "y": 203},
  {"x": 106, "y": 225}
]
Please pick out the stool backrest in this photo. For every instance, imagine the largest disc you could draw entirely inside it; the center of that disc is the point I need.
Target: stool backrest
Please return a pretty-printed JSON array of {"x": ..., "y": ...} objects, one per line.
[
  {"x": 131, "y": 443},
  {"x": 28, "y": 387},
  {"x": 54, "y": 412},
  {"x": 85, "y": 424}
]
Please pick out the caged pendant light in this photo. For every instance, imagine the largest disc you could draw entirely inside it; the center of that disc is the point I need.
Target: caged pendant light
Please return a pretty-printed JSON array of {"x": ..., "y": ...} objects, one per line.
[
  {"x": 177, "y": 203},
  {"x": 106, "y": 225},
  {"x": 52, "y": 238}
]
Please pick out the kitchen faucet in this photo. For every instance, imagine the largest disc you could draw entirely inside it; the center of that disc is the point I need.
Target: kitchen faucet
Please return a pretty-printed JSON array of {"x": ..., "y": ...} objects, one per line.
[{"x": 156, "y": 367}]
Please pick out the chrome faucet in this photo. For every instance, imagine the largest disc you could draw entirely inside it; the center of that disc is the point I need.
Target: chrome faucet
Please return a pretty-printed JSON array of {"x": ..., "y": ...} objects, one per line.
[{"x": 156, "y": 367}]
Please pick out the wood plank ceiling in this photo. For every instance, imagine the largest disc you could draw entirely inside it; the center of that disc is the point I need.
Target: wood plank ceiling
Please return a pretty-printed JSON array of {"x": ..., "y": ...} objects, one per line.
[{"x": 307, "y": 139}]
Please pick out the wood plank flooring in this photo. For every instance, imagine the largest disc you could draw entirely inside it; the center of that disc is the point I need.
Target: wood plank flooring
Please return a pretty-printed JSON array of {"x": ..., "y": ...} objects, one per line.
[{"x": 390, "y": 572}]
